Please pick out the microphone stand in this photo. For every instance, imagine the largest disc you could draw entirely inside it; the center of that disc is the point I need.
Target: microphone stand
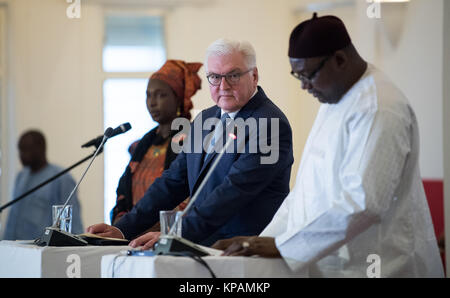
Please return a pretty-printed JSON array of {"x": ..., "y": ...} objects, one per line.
[
  {"x": 97, "y": 142},
  {"x": 54, "y": 236},
  {"x": 46, "y": 182},
  {"x": 172, "y": 244}
]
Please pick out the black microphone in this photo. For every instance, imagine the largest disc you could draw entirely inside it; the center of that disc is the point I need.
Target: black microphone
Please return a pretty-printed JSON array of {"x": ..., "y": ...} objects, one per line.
[
  {"x": 120, "y": 129},
  {"x": 111, "y": 133},
  {"x": 54, "y": 236},
  {"x": 108, "y": 133}
]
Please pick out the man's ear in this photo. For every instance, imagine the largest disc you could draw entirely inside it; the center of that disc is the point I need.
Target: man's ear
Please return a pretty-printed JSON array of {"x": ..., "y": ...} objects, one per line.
[
  {"x": 341, "y": 59},
  {"x": 255, "y": 75}
]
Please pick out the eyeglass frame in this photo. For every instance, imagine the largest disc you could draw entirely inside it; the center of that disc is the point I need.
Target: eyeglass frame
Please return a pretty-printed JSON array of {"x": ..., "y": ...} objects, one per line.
[
  {"x": 311, "y": 76},
  {"x": 226, "y": 76}
]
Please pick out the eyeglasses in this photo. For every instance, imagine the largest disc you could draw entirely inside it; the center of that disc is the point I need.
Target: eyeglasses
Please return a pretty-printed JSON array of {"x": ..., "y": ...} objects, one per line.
[
  {"x": 232, "y": 78},
  {"x": 310, "y": 77}
]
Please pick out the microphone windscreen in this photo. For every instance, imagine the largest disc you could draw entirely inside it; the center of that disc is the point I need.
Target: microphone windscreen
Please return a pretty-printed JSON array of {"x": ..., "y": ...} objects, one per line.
[{"x": 108, "y": 132}]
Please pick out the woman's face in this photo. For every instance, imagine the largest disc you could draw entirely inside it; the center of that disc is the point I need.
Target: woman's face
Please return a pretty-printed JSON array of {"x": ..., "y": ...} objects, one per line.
[{"x": 162, "y": 103}]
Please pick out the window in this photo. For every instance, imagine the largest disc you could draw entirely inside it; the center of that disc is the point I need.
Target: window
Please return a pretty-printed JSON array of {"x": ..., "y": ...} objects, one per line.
[
  {"x": 133, "y": 44},
  {"x": 133, "y": 49}
]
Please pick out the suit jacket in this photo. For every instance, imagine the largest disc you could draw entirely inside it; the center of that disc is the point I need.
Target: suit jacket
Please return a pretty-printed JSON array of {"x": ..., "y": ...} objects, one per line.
[{"x": 240, "y": 197}]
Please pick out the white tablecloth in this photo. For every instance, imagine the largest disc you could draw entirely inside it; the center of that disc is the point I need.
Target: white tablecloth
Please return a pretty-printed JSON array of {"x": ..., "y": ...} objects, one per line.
[
  {"x": 24, "y": 259},
  {"x": 116, "y": 265}
]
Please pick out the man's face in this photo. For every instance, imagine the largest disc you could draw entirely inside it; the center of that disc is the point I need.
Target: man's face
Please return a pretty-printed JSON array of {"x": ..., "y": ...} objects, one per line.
[
  {"x": 232, "y": 97},
  {"x": 316, "y": 77},
  {"x": 29, "y": 152}
]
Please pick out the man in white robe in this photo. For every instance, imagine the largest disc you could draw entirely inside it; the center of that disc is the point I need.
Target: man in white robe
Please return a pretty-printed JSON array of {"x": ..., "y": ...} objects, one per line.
[{"x": 358, "y": 208}]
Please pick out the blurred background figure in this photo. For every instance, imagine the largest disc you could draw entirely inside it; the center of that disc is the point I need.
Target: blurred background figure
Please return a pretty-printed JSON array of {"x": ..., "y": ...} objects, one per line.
[
  {"x": 169, "y": 93},
  {"x": 29, "y": 216}
]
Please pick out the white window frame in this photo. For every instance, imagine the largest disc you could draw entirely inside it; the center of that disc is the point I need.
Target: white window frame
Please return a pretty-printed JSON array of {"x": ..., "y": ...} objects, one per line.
[
  {"x": 121, "y": 11},
  {"x": 127, "y": 12}
]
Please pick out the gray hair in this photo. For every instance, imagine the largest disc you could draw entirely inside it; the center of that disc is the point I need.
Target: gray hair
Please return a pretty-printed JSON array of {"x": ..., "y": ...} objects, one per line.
[{"x": 225, "y": 46}]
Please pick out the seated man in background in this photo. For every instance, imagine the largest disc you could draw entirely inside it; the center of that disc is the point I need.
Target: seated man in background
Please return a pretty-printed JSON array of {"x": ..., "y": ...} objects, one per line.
[
  {"x": 29, "y": 217},
  {"x": 243, "y": 193},
  {"x": 358, "y": 198}
]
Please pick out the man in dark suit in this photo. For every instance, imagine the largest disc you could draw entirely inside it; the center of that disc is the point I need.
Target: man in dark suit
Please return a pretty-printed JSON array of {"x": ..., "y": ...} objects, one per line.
[{"x": 246, "y": 188}]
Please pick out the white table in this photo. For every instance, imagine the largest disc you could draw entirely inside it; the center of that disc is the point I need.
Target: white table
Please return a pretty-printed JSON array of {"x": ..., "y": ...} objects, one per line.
[
  {"x": 116, "y": 265},
  {"x": 24, "y": 259}
]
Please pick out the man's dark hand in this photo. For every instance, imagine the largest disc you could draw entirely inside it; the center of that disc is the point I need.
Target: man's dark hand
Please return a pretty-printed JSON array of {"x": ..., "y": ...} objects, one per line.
[{"x": 248, "y": 246}]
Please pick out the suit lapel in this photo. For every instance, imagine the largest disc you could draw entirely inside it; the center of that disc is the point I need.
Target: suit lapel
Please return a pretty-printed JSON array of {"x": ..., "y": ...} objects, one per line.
[
  {"x": 252, "y": 105},
  {"x": 244, "y": 113}
]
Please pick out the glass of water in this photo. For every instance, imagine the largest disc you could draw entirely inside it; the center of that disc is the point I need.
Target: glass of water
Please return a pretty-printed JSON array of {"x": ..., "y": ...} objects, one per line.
[
  {"x": 65, "y": 219},
  {"x": 167, "y": 219}
]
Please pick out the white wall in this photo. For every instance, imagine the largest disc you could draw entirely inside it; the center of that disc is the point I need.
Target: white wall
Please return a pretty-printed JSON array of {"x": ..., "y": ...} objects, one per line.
[
  {"x": 55, "y": 70},
  {"x": 6, "y": 109},
  {"x": 56, "y": 82},
  {"x": 415, "y": 63}
]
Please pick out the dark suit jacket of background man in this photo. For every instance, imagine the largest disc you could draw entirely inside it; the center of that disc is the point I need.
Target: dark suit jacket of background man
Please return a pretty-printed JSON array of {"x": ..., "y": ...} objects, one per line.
[{"x": 241, "y": 196}]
